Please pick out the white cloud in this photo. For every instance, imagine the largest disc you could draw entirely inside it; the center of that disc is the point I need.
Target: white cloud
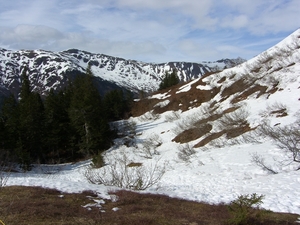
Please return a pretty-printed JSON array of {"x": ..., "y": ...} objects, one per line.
[
  {"x": 235, "y": 22},
  {"x": 28, "y": 36},
  {"x": 148, "y": 30}
]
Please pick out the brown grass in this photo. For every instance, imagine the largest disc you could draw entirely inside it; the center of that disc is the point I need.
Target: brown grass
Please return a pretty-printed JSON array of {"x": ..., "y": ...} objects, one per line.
[
  {"x": 33, "y": 205},
  {"x": 244, "y": 95},
  {"x": 209, "y": 138},
  {"x": 182, "y": 100},
  {"x": 193, "y": 133}
]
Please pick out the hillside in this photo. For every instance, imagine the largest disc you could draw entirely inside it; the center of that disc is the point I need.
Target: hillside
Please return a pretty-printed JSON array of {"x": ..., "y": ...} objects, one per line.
[{"x": 200, "y": 139}]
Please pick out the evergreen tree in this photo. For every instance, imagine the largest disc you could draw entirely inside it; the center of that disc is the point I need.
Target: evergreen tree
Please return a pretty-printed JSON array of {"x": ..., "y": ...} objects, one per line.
[
  {"x": 169, "y": 80},
  {"x": 9, "y": 120},
  {"x": 57, "y": 126},
  {"x": 116, "y": 104},
  {"x": 87, "y": 117},
  {"x": 31, "y": 118}
]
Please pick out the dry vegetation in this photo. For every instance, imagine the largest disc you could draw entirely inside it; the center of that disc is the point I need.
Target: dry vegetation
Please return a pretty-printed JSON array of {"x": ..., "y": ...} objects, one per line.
[
  {"x": 178, "y": 101},
  {"x": 33, "y": 205}
]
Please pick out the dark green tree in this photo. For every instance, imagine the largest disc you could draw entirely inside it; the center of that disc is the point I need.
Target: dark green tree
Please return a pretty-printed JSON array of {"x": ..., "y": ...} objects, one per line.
[
  {"x": 169, "y": 80},
  {"x": 86, "y": 115},
  {"x": 31, "y": 124},
  {"x": 116, "y": 104},
  {"x": 58, "y": 132},
  {"x": 9, "y": 119}
]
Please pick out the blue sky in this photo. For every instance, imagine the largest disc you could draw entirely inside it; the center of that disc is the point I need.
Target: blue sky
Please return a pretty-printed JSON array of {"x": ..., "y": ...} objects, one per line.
[{"x": 152, "y": 30}]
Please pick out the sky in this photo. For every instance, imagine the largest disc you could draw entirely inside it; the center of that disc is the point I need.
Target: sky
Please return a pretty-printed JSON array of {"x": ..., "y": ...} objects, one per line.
[{"x": 149, "y": 31}]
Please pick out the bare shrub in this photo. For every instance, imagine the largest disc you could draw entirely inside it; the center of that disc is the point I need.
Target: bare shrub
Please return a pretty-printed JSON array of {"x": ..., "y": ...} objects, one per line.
[
  {"x": 260, "y": 162},
  {"x": 149, "y": 116},
  {"x": 173, "y": 116},
  {"x": 185, "y": 124},
  {"x": 264, "y": 58},
  {"x": 285, "y": 137},
  {"x": 236, "y": 118},
  {"x": 278, "y": 109},
  {"x": 4, "y": 174},
  {"x": 120, "y": 174},
  {"x": 185, "y": 152},
  {"x": 149, "y": 146}
]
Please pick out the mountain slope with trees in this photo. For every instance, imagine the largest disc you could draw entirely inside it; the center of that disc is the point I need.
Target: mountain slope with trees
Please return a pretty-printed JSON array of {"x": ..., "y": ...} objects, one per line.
[{"x": 68, "y": 125}]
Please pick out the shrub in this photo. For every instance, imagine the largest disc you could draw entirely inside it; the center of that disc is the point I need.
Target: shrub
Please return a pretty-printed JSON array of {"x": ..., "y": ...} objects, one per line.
[
  {"x": 149, "y": 116},
  {"x": 4, "y": 175},
  {"x": 286, "y": 138},
  {"x": 233, "y": 119},
  {"x": 149, "y": 148},
  {"x": 185, "y": 152},
  {"x": 174, "y": 115},
  {"x": 98, "y": 160},
  {"x": 260, "y": 162},
  {"x": 245, "y": 209},
  {"x": 121, "y": 174}
]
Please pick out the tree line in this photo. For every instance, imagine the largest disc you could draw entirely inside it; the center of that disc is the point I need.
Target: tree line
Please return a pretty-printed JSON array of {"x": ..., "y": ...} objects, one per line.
[{"x": 68, "y": 125}]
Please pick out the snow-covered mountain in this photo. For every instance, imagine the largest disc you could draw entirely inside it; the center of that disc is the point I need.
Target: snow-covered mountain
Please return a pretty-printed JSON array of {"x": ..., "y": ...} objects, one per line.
[{"x": 51, "y": 70}]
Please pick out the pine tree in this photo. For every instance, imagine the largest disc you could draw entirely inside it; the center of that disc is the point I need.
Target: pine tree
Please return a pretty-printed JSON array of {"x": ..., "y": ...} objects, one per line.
[
  {"x": 31, "y": 118},
  {"x": 57, "y": 126},
  {"x": 10, "y": 123},
  {"x": 169, "y": 80},
  {"x": 87, "y": 116},
  {"x": 115, "y": 104}
]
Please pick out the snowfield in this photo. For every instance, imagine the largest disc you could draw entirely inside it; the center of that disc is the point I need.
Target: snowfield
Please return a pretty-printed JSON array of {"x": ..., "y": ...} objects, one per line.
[{"x": 215, "y": 173}]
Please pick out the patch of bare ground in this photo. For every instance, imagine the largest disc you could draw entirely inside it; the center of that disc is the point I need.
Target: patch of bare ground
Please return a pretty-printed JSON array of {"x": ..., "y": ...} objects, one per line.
[
  {"x": 144, "y": 105},
  {"x": 178, "y": 100},
  {"x": 279, "y": 112},
  {"x": 185, "y": 100},
  {"x": 34, "y": 205},
  {"x": 221, "y": 80},
  {"x": 193, "y": 133},
  {"x": 203, "y": 127},
  {"x": 245, "y": 94},
  {"x": 209, "y": 138},
  {"x": 237, "y": 86}
]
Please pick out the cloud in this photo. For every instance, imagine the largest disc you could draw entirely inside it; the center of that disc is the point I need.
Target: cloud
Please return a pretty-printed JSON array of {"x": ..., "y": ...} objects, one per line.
[
  {"x": 235, "y": 22},
  {"x": 261, "y": 17},
  {"x": 149, "y": 30},
  {"x": 28, "y": 36}
]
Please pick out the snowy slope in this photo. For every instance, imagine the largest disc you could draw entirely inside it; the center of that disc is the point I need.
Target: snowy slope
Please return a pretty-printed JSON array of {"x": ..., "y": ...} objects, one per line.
[{"x": 222, "y": 169}]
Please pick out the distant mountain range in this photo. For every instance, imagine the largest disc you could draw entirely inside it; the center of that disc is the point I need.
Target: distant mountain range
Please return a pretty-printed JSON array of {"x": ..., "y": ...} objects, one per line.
[{"x": 53, "y": 69}]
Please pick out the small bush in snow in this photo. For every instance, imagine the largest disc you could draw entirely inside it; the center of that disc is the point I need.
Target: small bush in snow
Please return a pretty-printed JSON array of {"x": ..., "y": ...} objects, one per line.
[
  {"x": 277, "y": 109},
  {"x": 185, "y": 152},
  {"x": 149, "y": 116},
  {"x": 173, "y": 116},
  {"x": 149, "y": 146},
  {"x": 121, "y": 173},
  {"x": 4, "y": 173},
  {"x": 286, "y": 138},
  {"x": 236, "y": 118},
  {"x": 260, "y": 162},
  {"x": 185, "y": 124}
]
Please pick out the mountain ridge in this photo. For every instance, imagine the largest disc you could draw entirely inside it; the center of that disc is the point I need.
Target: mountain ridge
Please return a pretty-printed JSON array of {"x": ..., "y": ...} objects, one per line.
[{"x": 49, "y": 69}]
